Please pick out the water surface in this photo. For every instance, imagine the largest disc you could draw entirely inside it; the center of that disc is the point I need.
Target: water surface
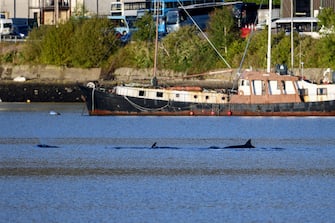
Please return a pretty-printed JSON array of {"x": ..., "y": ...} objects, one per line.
[{"x": 104, "y": 169}]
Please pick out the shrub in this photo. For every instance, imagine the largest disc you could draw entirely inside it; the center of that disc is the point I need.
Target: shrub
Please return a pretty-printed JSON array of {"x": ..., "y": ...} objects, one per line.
[{"x": 79, "y": 43}]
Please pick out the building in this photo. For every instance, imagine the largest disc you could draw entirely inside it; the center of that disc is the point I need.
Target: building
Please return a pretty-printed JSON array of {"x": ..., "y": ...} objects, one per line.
[
  {"x": 306, "y": 8},
  {"x": 52, "y": 12},
  {"x": 56, "y": 11}
]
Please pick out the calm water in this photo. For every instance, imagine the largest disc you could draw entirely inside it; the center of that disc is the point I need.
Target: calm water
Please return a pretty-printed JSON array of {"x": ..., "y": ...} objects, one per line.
[{"x": 104, "y": 170}]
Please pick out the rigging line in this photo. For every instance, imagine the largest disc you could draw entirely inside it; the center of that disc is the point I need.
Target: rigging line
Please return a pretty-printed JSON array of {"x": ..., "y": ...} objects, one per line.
[
  {"x": 212, "y": 45},
  {"x": 243, "y": 58},
  {"x": 143, "y": 108},
  {"x": 246, "y": 49}
]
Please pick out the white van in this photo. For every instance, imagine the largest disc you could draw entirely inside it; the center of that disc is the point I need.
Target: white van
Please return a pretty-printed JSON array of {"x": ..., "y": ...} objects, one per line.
[{"x": 6, "y": 27}]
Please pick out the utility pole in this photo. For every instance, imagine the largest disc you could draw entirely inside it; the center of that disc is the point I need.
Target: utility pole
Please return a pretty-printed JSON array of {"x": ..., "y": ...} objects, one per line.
[
  {"x": 97, "y": 8},
  {"x": 56, "y": 8},
  {"x": 268, "y": 66},
  {"x": 14, "y": 8},
  {"x": 292, "y": 42}
]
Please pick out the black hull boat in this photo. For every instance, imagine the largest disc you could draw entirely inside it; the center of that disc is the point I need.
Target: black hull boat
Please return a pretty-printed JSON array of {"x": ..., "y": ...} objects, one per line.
[{"x": 258, "y": 94}]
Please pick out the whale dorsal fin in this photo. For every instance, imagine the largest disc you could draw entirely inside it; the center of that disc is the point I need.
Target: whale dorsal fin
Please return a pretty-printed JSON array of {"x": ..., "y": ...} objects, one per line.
[
  {"x": 248, "y": 144},
  {"x": 154, "y": 145}
]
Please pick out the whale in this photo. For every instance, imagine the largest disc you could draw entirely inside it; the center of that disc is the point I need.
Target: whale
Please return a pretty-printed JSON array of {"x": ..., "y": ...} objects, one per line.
[
  {"x": 247, "y": 145},
  {"x": 46, "y": 146},
  {"x": 154, "y": 146}
]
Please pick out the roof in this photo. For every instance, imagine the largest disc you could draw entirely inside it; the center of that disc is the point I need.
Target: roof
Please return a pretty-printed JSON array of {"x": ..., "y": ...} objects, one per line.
[{"x": 297, "y": 20}]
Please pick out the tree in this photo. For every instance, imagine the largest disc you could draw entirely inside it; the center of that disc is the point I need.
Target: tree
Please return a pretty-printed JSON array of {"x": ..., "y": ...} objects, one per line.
[
  {"x": 327, "y": 18},
  {"x": 55, "y": 45},
  {"x": 184, "y": 51},
  {"x": 77, "y": 43},
  {"x": 326, "y": 49},
  {"x": 221, "y": 28},
  {"x": 145, "y": 28},
  {"x": 93, "y": 42}
]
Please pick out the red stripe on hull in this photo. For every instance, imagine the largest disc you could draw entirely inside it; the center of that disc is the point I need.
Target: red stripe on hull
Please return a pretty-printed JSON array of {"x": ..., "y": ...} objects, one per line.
[{"x": 206, "y": 113}]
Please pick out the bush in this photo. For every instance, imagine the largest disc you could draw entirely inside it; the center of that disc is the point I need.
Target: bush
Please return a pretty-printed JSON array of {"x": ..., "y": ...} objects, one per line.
[
  {"x": 183, "y": 50},
  {"x": 77, "y": 43},
  {"x": 89, "y": 43}
]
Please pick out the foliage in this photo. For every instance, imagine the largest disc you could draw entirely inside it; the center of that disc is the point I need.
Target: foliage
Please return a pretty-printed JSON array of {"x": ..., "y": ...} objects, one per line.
[
  {"x": 327, "y": 17},
  {"x": 281, "y": 49},
  {"x": 308, "y": 57},
  {"x": 326, "y": 56},
  {"x": 55, "y": 45},
  {"x": 184, "y": 51},
  {"x": 257, "y": 50},
  {"x": 78, "y": 43},
  {"x": 221, "y": 28},
  {"x": 145, "y": 28},
  {"x": 91, "y": 43},
  {"x": 33, "y": 47}
]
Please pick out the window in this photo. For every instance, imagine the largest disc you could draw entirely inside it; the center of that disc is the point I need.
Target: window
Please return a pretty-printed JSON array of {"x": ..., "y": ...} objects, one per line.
[
  {"x": 7, "y": 25},
  {"x": 274, "y": 88},
  {"x": 303, "y": 92},
  {"x": 141, "y": 93},
  {"x": 322, "y": 91},
  {"x": 257, "y": 87},
  {"x": 283, "y": 86},
  {"x": 159, "y": 94},
  {"x": 245, "y": 83},
  {"x": 289, "y": 87}
]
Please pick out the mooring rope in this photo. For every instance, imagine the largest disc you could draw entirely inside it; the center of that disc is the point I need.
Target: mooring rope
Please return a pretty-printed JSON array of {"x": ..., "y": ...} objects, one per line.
[{"x": 139, "y": 107}]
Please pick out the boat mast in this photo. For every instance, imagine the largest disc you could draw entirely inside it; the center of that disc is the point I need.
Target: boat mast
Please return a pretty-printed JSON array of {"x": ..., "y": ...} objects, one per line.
[
  {"x": 292, "y": 43},
  {"x": 156, "y": 8},
  {"x": 268, "y": 67}
]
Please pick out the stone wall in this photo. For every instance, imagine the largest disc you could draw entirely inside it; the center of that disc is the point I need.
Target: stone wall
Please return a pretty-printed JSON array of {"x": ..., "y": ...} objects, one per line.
[
  {"x": 49, "y": 73},
  {"x": 129, "y": 75}
]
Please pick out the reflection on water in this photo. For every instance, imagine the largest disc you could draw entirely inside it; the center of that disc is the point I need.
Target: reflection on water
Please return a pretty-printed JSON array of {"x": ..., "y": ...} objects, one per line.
[{"x": 104, "y": 169}]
